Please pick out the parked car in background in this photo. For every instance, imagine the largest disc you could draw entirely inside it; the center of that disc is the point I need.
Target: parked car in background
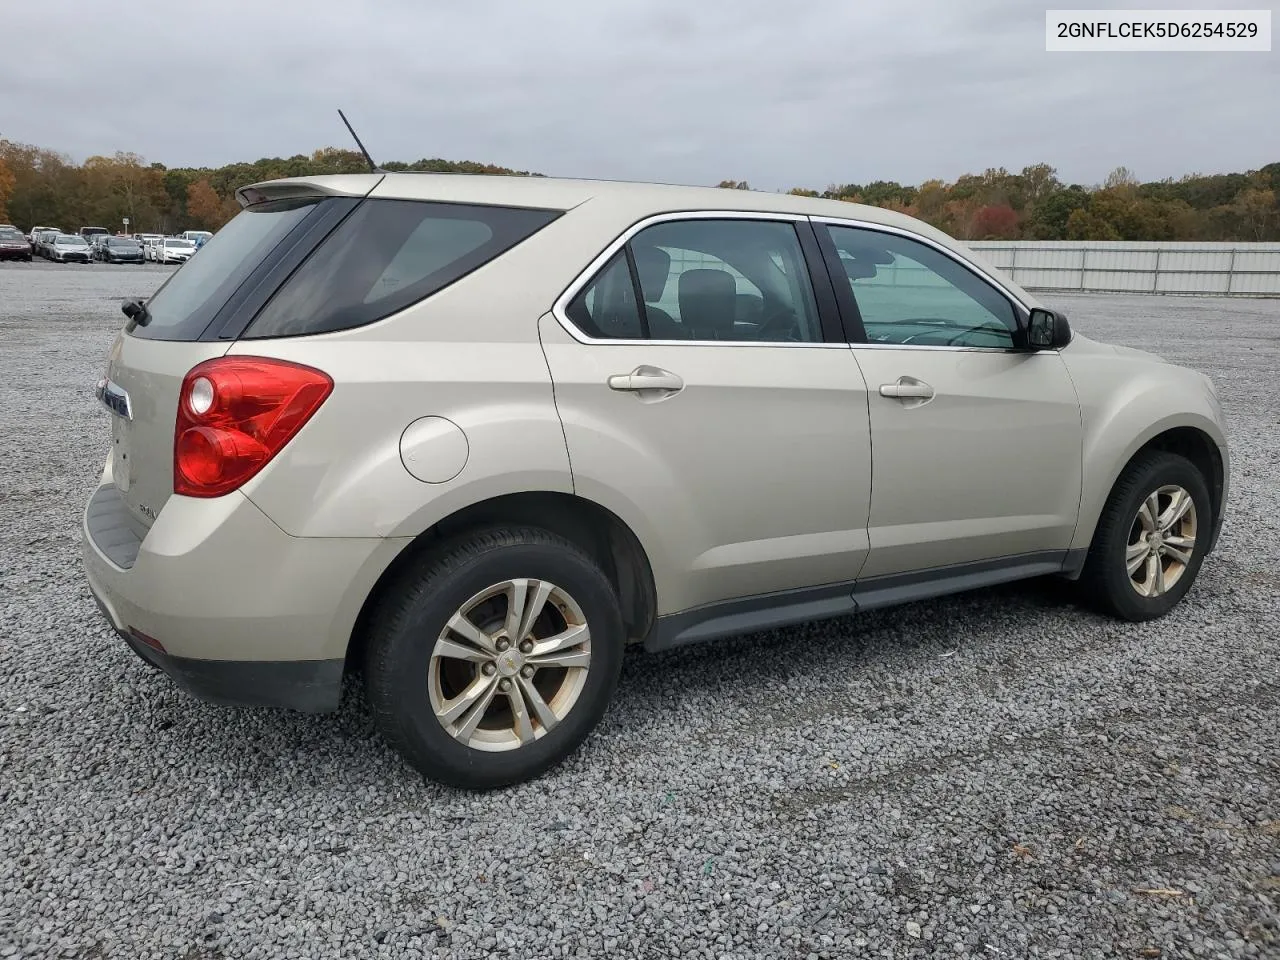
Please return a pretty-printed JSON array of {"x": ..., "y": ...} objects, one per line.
[
  {"x": 69, "y": 248},
  {"x": 174, "y": 250},
  {"x": 87, "y": 232},
  {"x": 13, "y": 245},
  {"x": 489, "y": 430},
  {"x": 197, "y": 237},
  {"x": 44, "y": 242},
  {"x": 151, "y": 247},
  {"x": 34, "y": 237},
  {"x": 120, "y": 250}
]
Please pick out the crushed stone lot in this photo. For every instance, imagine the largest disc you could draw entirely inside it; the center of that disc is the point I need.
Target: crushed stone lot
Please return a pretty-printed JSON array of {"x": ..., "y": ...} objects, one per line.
[{"x": 997, "y": 774}]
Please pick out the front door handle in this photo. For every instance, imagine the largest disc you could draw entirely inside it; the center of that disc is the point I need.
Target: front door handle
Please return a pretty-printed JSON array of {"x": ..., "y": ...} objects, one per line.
[
  {"x": 907, "y": 388},
  {"x": 646, "y": 378}
]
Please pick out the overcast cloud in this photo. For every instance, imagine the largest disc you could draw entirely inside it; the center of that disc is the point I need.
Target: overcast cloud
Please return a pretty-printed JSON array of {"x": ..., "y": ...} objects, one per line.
[{"x": 805, "y": 92}]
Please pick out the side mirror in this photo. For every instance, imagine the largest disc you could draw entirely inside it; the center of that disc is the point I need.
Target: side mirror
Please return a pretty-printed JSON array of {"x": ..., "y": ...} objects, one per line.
[{"x": 1047, "y": 330}]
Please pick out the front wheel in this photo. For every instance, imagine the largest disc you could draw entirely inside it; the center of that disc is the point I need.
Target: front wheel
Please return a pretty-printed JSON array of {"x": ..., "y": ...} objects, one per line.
[
  {"x": 1151, "y": 538},
  {"x": 493, "y": 657}
]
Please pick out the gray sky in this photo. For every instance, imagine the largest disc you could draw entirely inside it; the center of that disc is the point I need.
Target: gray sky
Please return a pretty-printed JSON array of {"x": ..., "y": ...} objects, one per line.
[{"x": 777, "y": 92}]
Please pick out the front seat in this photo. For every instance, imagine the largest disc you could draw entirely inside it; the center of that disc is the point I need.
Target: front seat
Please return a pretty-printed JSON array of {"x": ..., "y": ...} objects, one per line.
[{"x": 708, "y": 304}]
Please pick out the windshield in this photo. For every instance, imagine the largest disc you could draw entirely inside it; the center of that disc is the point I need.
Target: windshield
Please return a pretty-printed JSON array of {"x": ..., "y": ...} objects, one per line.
[
  {"x": 120, "y": 242},
  {"x": 192, "y": 296},
  {"x": 10, "y": 235},
  {"x": 70, "y": 242},
  {"x": 177, "y": 243}
]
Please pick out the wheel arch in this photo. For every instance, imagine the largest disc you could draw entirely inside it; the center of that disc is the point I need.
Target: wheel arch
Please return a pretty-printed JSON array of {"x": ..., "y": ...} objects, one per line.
[
  {"x": 1195, "y": 437},
  {"x": 597, "y": 530}
]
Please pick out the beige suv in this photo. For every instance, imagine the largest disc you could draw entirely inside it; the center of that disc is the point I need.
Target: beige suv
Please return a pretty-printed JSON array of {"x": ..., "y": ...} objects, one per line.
[{"x": 472, "y": 435}]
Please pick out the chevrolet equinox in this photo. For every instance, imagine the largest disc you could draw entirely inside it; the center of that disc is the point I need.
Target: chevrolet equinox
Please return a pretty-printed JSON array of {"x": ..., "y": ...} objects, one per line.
[{"x": 472, "y": 435}]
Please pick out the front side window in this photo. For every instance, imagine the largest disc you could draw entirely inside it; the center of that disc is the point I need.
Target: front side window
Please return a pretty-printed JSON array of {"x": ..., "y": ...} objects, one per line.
[
  {"x": 909, "y": 293},
  {"x": 387, "y": 255},
  {"x": 739, "y": 280}
]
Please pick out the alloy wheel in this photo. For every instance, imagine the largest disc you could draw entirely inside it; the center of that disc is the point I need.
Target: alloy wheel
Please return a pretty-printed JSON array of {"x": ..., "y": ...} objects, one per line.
[
  {"x": 1162, "y": 541},
  {"x": 509, "y": 665}
]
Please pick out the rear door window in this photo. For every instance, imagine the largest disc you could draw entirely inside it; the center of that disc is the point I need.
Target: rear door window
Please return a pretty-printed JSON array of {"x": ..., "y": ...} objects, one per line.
[{"x": 386, "y": 256}]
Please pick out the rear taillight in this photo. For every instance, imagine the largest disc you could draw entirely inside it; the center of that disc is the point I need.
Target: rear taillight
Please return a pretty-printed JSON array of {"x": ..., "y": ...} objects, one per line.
[{"x": 234, "y": 415}]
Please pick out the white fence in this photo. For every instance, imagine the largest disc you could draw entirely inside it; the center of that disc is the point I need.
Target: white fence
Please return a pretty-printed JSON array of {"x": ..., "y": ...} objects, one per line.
[{"x": 1217, "y": 269}]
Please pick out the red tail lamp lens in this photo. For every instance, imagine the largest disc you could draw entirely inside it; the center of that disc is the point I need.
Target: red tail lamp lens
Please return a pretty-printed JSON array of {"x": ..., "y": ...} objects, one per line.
[{"x": 234, "y": 415}]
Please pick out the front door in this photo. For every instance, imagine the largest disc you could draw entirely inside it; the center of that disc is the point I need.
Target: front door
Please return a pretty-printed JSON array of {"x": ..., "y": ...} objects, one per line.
[
  {"x": 705, "y": 404},
  {"x": 977, "y": 443}
]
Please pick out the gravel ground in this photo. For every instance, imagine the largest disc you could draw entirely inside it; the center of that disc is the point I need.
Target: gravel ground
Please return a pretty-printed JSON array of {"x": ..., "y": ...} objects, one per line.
[{"x": 993, "y": 775}]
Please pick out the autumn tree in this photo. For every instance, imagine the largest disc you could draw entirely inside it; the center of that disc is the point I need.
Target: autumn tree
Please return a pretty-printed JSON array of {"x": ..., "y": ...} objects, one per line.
[
  {"x": 204, "y": 206},
  {"x": 7, "y": 181},
  {"x": 1120, "y": 178},
  {"x": 997, "y": 221},
  {"x": 1255, "y": 210},
  {"x": 1038, "y": 181}
]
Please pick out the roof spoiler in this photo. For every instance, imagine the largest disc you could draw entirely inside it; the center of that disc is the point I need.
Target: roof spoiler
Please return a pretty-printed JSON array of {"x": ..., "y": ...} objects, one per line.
[{"x": 334, "y": 185}]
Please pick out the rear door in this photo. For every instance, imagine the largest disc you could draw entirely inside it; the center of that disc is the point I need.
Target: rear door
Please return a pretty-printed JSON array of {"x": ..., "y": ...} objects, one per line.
[
  {"x": 709, "y": 400},
  {"x": 977, "y": 440}
]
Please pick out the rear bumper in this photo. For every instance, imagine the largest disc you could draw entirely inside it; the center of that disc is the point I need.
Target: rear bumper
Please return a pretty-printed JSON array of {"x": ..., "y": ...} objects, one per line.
[
  {"x": 310, "y": 686},
  {"x": 239, "y": 611}
]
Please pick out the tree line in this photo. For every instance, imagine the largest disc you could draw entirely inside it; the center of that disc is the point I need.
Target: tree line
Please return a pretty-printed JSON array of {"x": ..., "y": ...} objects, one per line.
[
  {"x": 1036, "y": 205},
  {"x": 40, "y": 186},
  {"x": 44, "y": 187}
]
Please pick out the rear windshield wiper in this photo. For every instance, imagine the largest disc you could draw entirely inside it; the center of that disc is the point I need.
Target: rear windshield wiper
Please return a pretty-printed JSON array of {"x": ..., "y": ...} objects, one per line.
[{"x": 136, "y": 310}]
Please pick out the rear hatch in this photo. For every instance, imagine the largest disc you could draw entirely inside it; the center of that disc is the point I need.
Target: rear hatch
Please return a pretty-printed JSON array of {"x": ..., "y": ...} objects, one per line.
[{"x": 190, "y": 320}]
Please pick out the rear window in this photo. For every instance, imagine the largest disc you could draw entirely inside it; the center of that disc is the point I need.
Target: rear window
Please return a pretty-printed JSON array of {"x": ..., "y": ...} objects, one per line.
[
  {"x": 188, "y": 301},
  {"x": 387, "y": 255}
]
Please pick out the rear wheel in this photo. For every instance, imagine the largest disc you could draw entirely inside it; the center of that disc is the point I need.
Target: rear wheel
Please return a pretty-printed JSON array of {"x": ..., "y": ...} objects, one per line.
[
  {"x": 492, "y": 659},
  {"x": 1150, "y": 540}
]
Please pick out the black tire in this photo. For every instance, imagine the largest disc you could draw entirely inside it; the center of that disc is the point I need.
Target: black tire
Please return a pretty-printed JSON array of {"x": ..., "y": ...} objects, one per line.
[
  {"x": 1105, "y": 583},
  {"x": 414, "y": 612}
]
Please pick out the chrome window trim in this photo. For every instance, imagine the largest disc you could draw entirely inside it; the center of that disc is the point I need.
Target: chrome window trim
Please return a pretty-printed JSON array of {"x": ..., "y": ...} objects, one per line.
[
  {"x": 559, "y": 309},
  {"x": 1011, "y": 351}
]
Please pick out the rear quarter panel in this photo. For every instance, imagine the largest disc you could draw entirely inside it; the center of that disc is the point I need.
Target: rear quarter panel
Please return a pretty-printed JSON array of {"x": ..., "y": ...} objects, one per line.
[{"x": 342, "y": 475}]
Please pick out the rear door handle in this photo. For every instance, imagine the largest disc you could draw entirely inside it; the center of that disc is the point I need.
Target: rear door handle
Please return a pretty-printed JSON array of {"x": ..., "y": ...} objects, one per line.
[
  {"x": 907, "y": 388},
  {"x": 646, "y": 378}
]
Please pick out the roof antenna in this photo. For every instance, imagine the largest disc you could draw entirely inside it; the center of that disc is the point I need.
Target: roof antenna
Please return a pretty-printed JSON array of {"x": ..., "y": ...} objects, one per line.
[{"x": 373, "y": 167}]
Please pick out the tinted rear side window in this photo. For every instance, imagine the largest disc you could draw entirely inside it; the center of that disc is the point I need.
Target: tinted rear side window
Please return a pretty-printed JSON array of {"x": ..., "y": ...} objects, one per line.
[
  {"x": 387, "y": 255},
  {"x": 185, "y": 304}
]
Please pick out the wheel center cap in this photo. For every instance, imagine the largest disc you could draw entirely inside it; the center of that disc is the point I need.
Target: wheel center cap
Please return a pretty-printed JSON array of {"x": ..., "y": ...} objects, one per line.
[{"x": 509, "y": 662}]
